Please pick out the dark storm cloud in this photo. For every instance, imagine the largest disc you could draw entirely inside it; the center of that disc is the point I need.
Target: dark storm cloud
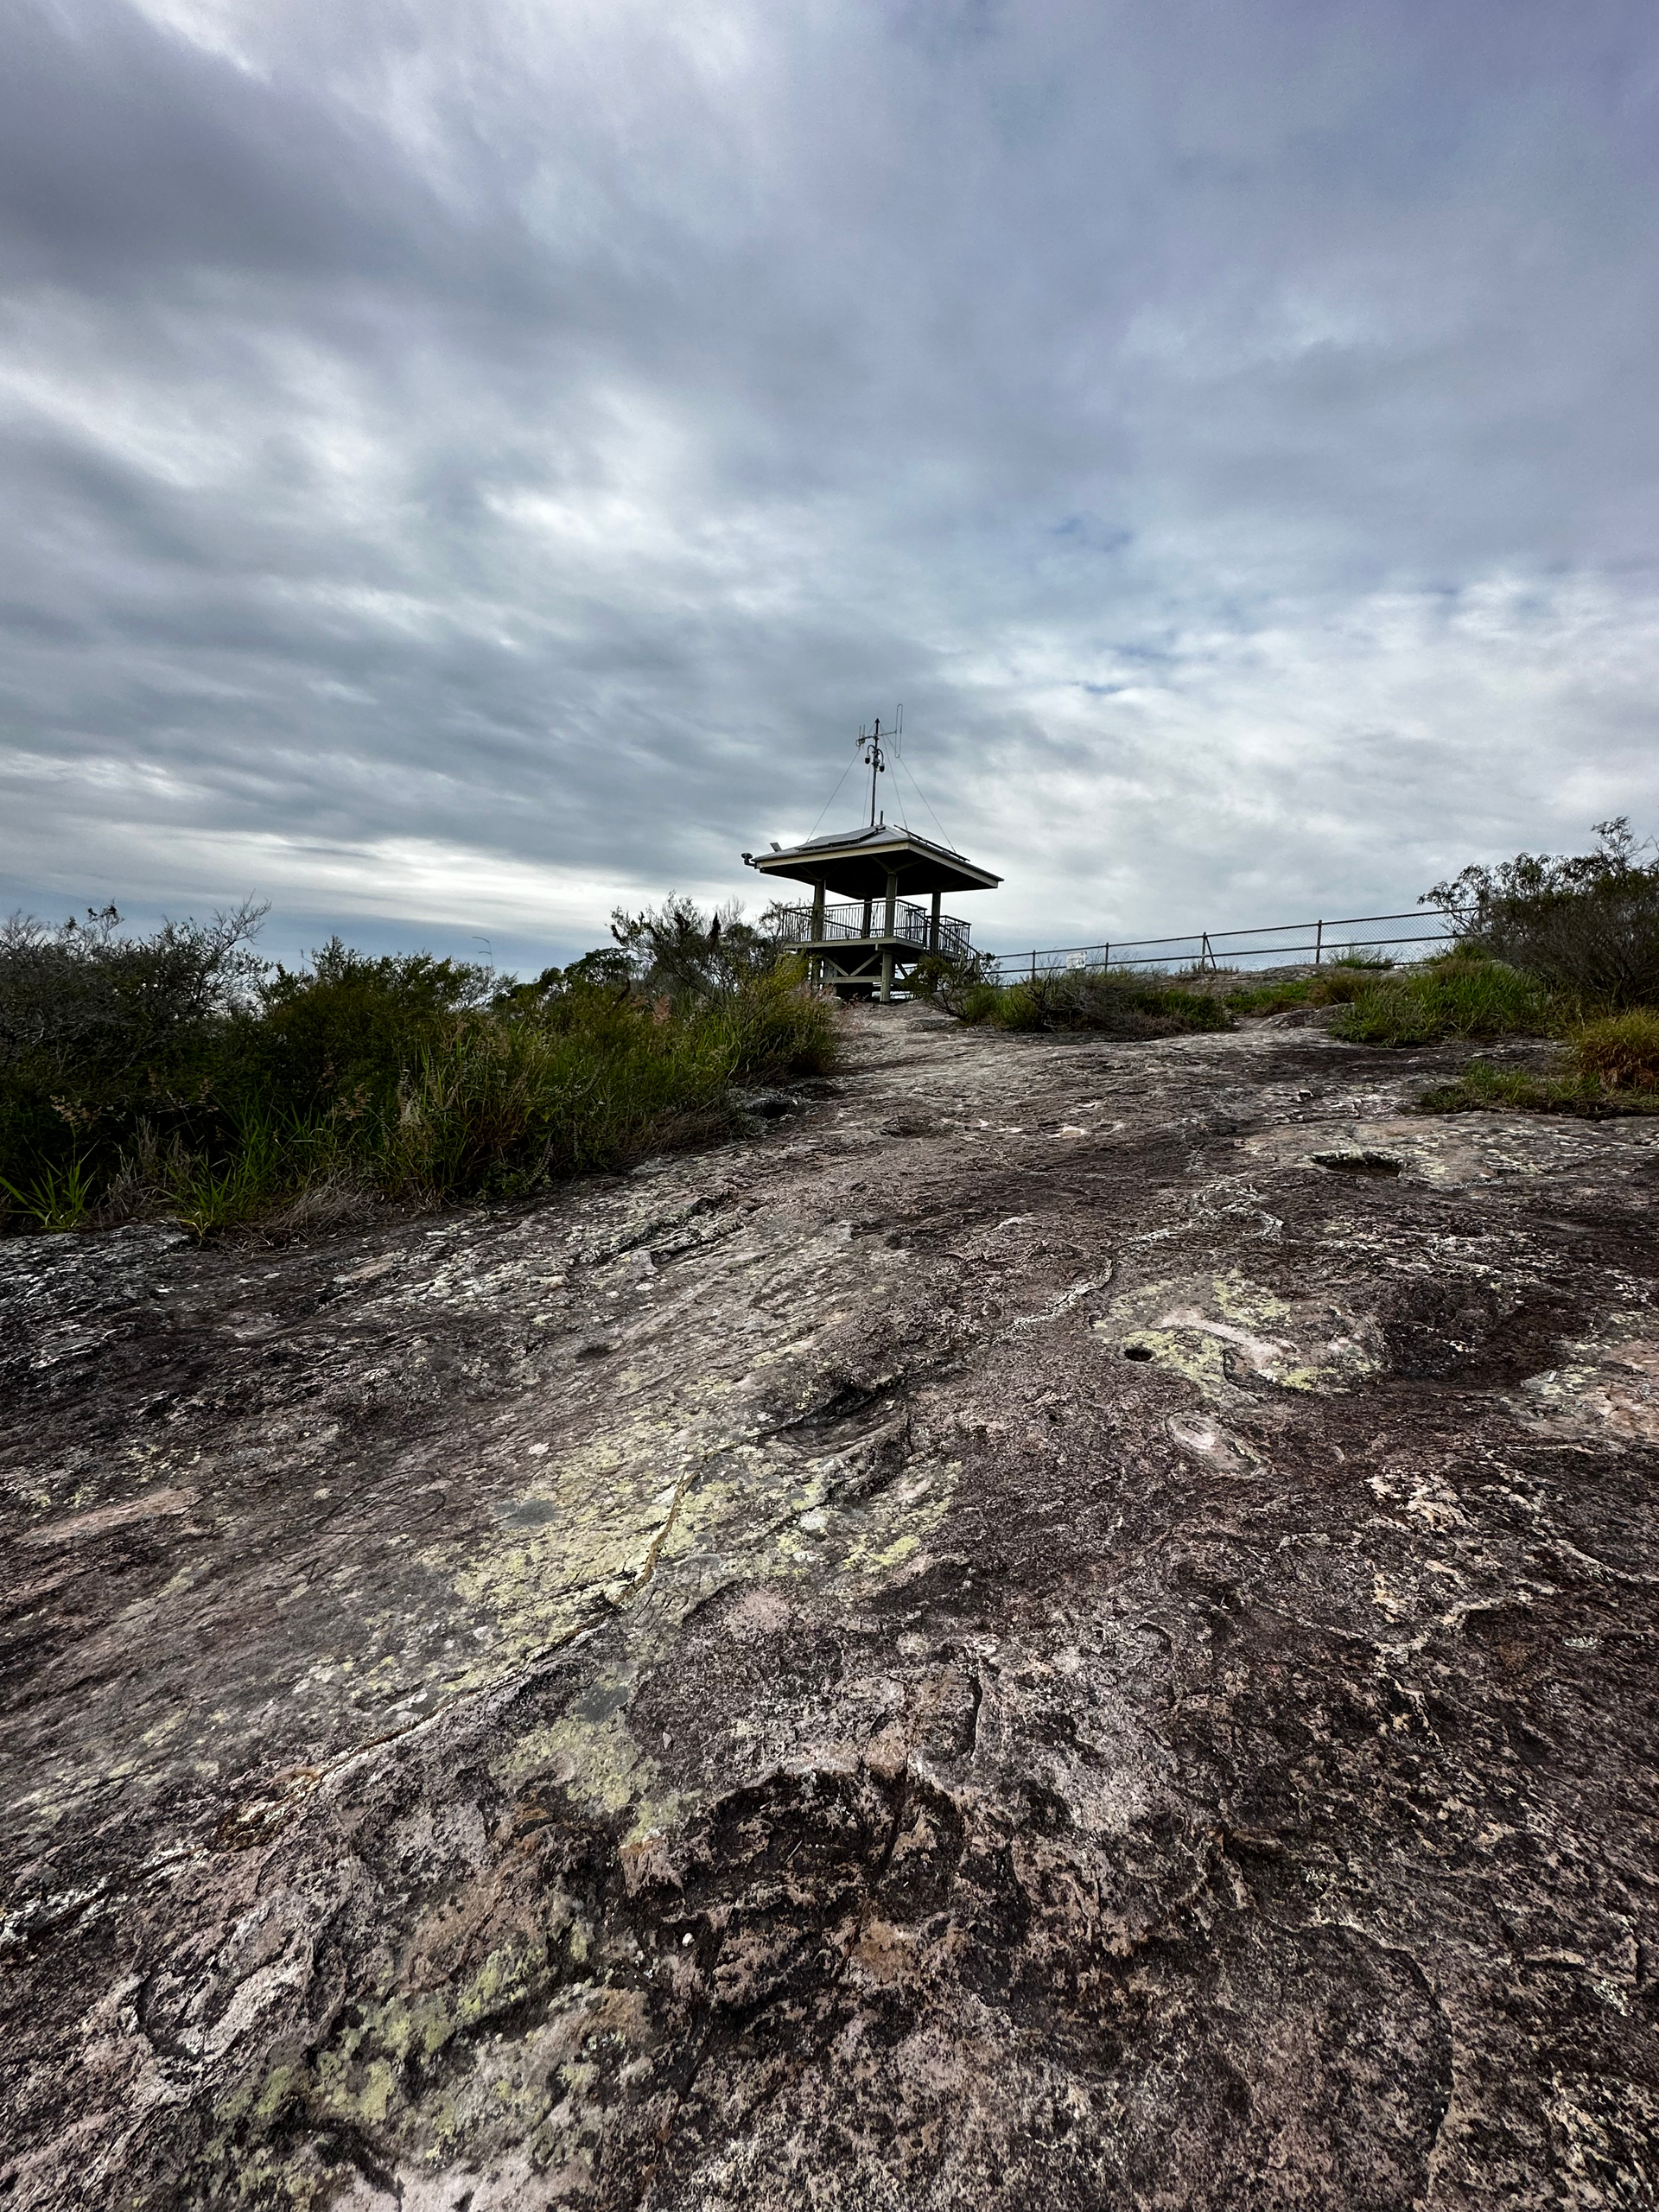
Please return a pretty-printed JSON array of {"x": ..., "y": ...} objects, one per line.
[{"x": 468, "y": 465}]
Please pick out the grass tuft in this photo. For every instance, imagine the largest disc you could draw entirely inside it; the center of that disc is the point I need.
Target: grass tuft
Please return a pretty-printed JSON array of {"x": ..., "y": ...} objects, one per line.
[
  {"x": 1325, "y": 989},
  {"x": 1461, "y": 995},
  {"x": 59, "y": 1196},
  {"x": 1621, "y": 1051}
]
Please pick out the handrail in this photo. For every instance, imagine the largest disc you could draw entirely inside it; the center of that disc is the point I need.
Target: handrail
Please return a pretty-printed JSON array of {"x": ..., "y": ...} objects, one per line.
[
  {"x": 1111, "y": 954},
  {"x": 844, "y": 921}
]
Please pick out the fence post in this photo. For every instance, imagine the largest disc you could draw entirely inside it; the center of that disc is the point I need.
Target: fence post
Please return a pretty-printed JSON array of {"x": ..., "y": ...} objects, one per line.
[
  {"x": 1206, "y": 958},
  {"x": 1033, "y": 964},
  {"x": 1107, "y": 961},
  {"x": 1318, "y": 943}
]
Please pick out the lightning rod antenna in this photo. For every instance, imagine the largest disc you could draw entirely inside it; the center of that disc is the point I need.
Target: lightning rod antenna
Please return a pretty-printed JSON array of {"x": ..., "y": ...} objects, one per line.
[{"x": 873, "y": 754}]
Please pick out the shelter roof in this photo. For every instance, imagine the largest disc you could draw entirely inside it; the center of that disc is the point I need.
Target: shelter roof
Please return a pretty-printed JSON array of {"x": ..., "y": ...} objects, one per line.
[{"x": 855, "y": 863}]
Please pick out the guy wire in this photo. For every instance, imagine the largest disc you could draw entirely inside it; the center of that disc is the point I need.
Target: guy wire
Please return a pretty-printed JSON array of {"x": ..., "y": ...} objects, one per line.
[{"x": 830, "y": 801}]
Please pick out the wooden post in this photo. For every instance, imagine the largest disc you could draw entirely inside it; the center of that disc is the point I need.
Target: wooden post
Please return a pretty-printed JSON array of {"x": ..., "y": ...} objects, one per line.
[
  {"x": 890, "y": 923},
  {"x": 869, "y": 909},
  {"x": 1318, "y": 943},
  {"x": 933, "y": 925},
  {"x": 815, "y": 966}
]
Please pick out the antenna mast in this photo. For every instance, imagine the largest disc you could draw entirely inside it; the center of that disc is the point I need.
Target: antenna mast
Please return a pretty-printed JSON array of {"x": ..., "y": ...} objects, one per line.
[{"x": 869, "y": 747}]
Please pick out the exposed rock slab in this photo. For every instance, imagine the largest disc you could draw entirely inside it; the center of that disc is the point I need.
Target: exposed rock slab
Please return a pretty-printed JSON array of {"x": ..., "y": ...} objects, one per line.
[{"x": 1071, "y": 1627}]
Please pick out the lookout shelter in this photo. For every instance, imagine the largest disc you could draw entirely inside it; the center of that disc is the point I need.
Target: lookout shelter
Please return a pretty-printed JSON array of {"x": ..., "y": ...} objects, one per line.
[{"x": 875, "y": 932}]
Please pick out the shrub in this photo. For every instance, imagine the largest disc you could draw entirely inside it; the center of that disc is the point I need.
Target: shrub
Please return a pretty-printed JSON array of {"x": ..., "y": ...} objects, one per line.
[
  {"x": 218, "y": 1091},
  {"x": 950, "y": 980},
  {"x": 83, "y": 1004},
  {"x": 338, "y": 1036},
  {"x": 100, "y": 1032},
  {"x": 1587, "y": 926},
  {"x": 671, "y": 951},
  {"x": 975, "y": 1003}
]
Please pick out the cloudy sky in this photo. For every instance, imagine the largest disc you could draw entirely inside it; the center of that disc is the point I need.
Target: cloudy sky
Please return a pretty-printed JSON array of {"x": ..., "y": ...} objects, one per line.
[{"x": 467, "y": 465}]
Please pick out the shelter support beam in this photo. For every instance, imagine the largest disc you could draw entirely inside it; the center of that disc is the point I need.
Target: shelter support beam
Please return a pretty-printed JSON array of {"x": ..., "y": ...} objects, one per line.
[
  {"x": 890, "y": 924},
  {"x": 933, "y": 925}
]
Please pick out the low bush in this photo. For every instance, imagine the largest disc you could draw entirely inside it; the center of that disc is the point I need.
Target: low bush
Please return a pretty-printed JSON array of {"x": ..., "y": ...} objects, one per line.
[
  {"x": 1462, "y": 994},
  {"x": 181, "y": 1074},
  {"x": 952, "y": 980}
]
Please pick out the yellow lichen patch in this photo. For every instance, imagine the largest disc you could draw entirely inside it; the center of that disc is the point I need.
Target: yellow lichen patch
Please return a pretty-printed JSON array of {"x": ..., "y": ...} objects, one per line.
[
  {"x": 1224, "y": 1333},
  {"x": 881, "y": 1535},
  {"x": 593, "y": 1755},
  {"x": 746, "y": 1507},
  {"x": 580, "y": 1540},
  {"x": 356, "y": 2076}
]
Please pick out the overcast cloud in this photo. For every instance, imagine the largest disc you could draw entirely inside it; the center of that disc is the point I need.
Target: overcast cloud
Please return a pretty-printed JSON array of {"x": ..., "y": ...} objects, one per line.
[{"x": 466, "y": 466}]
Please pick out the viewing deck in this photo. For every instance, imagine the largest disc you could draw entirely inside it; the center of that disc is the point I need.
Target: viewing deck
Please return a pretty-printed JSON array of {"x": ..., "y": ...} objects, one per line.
[{"x": 861, "y": 922}]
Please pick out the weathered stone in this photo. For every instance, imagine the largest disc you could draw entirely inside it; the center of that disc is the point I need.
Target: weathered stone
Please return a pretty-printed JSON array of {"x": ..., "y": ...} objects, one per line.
[{"x": 1071, "y": 1627}]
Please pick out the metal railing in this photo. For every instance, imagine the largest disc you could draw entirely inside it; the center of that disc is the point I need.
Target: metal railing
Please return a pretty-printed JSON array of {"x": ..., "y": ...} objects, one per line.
[
  {"x": 1281, "y": 944},
  {"x": 911, "y": 923}
]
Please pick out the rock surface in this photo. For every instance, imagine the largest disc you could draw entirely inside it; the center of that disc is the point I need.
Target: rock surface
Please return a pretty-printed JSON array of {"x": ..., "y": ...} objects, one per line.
[{"x": 1071, "y": 1626}]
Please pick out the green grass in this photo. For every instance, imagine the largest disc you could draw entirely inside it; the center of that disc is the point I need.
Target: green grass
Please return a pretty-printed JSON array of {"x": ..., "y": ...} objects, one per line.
[
  {"x": 1461, "y": 995},
  {"x": 1512, "y": 1090},
  {"x": 1324, "y": 990},
  {"x": 1458, "y": 994},
  {"x": 1124, "y": 1005},
  {"x": 1609, "y": 1067},
  {"x": 1621, "y": 1051},
  {"x": 59, "y": 1196}
]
